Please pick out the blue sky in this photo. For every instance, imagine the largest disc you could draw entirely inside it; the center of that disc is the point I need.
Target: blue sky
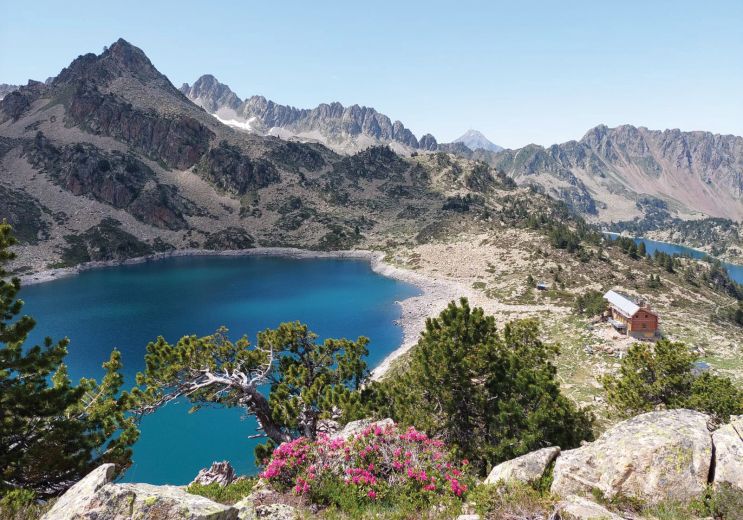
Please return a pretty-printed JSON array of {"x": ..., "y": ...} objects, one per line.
[{"x": 521, "y": 72}]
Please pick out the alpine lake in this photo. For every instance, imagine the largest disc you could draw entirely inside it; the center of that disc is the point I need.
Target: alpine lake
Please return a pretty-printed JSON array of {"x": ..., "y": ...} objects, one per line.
[{"x": 126, "y": 307}]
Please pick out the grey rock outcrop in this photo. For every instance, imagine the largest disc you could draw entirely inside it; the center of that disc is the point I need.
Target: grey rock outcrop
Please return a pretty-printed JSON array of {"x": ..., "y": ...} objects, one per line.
[
  {"x": 578, "y": 508},
  {"x": 211, "y": 94},
  {"x": 96, "y": 498},
  {"x": 130, "y": 501},
  {"x": 252, "y": 508},
  {"x": 428, "y": 142},
  {"x": 68, "y": 506},
  {"x": 527, "y": 468},
  {"x": 221, "y": 473},
  {"x": 654, "y": 456},
  {"x": 276, "y": 512},
  {"x": 728, "y": 441}
]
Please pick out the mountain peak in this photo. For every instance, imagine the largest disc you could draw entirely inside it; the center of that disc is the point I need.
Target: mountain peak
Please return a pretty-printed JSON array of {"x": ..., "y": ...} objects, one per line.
[
  {"x": 209, "y": 93},
  {"x": 473, "y": 139},
  {"x": 118, "y": 60}
]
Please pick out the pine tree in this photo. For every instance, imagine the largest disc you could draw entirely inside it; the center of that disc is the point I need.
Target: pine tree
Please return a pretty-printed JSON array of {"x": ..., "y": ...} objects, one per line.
[
  {"x": 52, "y": 432},
  {"x": 632, "y": 250},
  {"x": 641, "y": 250},
  {"x": 308, "y": 380},
  {"x": 492, "y": 395}
]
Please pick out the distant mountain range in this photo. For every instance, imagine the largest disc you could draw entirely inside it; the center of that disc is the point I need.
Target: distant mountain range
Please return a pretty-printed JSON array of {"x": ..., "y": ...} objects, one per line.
[
  {"x": 108, "y": 158},
  {"x": 609, "y": 175},
  {"x": 344, "y": 129}
]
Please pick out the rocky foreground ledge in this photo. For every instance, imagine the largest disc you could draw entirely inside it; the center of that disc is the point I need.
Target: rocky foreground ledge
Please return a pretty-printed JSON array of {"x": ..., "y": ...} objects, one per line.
[{"x": 657, "y": 456}]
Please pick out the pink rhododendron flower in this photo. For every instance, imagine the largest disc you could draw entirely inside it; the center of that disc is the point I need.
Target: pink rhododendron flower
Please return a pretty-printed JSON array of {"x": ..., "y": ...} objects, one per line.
[{"x": 408, "y": 460}]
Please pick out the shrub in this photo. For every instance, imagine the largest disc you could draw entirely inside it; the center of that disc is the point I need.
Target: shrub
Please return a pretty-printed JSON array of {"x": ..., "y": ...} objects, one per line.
[
  {"x": 562, "y": 237},
  {"x": 591, "y": 303},
  {"x": 229, "y": 494},
  {"x": 52, "y": 431},
  {"x": 22, "y": 504},
  {"x": 722, "y": 503},
  {"x": 511, "y": 500},
  {"x": 382, "y": 465},
  {"x": 664, "y": 375}
]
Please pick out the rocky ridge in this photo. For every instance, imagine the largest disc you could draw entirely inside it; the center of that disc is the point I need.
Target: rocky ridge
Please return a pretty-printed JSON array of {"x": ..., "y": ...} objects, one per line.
[
  {"x": 350, "y": 128},
  {"x": 611, "y": 174},
  {"x": 618, "y": 173}
]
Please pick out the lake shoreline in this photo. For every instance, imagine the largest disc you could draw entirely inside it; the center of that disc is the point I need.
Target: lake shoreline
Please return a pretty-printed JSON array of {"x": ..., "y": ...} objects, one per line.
[
  {"x": 435, "y": 293},
  {"x": 734, "y": 270}
]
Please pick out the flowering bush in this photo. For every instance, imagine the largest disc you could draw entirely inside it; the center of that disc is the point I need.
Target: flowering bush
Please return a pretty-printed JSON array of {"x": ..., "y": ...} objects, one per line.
[{"x": 380, "y": 464}]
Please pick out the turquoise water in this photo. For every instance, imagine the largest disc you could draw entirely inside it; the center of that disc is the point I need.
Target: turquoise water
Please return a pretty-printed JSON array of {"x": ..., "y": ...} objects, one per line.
[
  {"x": 651, "y": 246},
  {"x": 128, "y": 306}
]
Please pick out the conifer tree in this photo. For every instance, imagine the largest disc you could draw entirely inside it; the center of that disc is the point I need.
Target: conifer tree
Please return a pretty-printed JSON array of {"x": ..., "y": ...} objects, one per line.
[
  {"x": 308, "y": 380},
  {"x": 52, "y": 432},
  {"x": 491, "y": 394}
]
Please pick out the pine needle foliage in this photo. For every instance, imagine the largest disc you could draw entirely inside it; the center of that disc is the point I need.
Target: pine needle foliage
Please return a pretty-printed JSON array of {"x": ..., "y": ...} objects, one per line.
[{"x": 52, "y": 432}]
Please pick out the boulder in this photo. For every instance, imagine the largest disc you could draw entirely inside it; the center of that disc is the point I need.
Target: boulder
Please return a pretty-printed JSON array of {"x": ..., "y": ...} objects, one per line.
[
  {"x": 96, "y": 498},
  {"x": 356, "y": 427},
  {"x": 328, "y": 427},
  {"x": 220, "y": 472},
  {"x": 79, "y": 495},
  {"x": 246, "y": 507},
  {"x": 276, "y": 512},
  {"x": 263, "y": 503},
  {"x": 579, "y": 508},
  {"x": 129, "y": 501},
  {"x": 527, "y": 468},
  {"x": 652, "y": 457},
  {"x": 728, "y": 441}
]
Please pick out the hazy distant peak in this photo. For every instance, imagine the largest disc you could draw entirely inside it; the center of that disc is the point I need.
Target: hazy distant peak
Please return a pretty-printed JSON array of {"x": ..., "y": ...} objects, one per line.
[{"x": 474, "y": 140}]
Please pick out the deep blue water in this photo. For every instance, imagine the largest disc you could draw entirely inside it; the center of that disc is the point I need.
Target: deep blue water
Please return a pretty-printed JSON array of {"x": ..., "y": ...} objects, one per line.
[
  {"x": 651, "y": 246},
  {"x": 126, "y": 307}
]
